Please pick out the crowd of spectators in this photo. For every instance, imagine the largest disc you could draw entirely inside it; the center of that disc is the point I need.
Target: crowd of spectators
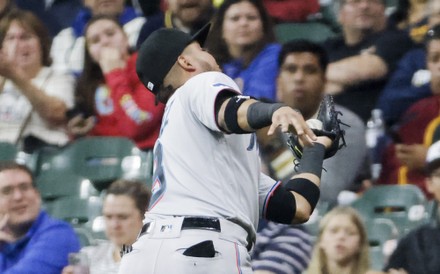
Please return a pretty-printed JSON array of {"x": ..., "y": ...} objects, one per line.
[{"x": 67, "y": 70}]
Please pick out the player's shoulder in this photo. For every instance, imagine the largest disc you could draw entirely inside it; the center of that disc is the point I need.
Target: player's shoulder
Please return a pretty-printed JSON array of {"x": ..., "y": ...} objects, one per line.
[{"x": 213, "y": 79}]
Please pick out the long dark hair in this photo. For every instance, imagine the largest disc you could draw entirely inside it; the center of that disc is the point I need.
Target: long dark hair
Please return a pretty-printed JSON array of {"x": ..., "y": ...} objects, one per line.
[
  {"x": 217, "y": 45},
  {"x": 91, "y": 76}
]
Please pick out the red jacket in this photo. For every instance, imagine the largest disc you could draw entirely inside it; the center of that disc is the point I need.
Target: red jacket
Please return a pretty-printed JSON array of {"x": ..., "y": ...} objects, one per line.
[
  {"x": 126, "y": 108},
  {"x": 291, "y": 10},
  {"x": 418, "y": 126}
]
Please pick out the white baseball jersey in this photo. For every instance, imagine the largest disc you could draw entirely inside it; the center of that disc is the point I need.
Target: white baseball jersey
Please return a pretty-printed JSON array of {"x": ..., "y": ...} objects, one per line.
[{"x": 199, "y": 170}]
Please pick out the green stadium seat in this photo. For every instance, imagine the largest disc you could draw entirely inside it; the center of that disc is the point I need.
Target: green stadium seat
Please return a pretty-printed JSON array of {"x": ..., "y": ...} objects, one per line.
[
  {"x": 85, "y": 236},
  {"x": 382, "y": 236},
  {"x": 75, "y": 210},
  {"x": 312, "y": 31},
  {"x": 8, "y": 151},
  {"x": 102, "y": 160},
  {"x": 405, "y": 205},
  {"x": 56, "y": 184},
  {"x": 327, "y": 15}
]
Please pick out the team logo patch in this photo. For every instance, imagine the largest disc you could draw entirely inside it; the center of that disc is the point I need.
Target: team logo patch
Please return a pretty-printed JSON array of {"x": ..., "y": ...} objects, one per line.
[
  {"x": 150, "y": 86},
  {"x": 166, "y": 228}
]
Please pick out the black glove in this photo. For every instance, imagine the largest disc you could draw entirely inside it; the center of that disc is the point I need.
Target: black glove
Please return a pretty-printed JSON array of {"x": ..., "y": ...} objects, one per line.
[{"x": 328, "y": 116}]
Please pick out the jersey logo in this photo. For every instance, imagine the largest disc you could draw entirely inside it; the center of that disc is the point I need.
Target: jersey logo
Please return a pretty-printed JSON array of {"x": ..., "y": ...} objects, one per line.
[{"x": 166, "y": 228}]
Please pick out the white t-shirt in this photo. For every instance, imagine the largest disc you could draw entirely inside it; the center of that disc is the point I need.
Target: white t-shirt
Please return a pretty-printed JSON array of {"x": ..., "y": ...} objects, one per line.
[
  {"x": 15, "y": 107},
  {"x": 200, "y": 170},
  {"x": 101, "y": 258}
]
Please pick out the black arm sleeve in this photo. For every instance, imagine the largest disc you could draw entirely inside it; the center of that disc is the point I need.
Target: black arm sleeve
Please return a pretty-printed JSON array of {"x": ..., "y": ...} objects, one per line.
[{"x": 281, "y": 207}]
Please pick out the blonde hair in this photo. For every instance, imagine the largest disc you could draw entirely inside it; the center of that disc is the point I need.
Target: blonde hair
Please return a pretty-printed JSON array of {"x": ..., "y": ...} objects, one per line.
[{"x": 318, "y": 263}]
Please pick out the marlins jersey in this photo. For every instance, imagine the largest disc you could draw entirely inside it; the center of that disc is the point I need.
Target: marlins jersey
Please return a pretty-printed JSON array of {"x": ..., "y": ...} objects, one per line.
[{"x": 199, "y": 170}]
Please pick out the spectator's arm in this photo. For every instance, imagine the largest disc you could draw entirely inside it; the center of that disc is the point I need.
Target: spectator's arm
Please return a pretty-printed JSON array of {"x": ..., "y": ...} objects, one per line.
[
  {"x": 355, "y": 69},
  {"x": 404, "y": 87}
]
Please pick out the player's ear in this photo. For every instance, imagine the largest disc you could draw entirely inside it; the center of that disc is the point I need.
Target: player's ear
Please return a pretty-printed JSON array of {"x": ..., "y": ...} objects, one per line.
[{"x": 185, "y": 63}]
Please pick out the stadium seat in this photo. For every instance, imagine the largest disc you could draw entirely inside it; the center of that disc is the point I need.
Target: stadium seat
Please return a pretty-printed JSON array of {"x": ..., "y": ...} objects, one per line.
[
  {"x": 77, "y": 211},
  {"x": 8, "y": 151},
  {"x": 56, "y": 184},
  {"x": 312, "y": 31},
  {"x": 102, "y": 160},
  {"x": 327, "y": 15},
  {"x": 382, "y": 238},
  {"x": 85, "y": 236},
  {"x": 405, "y": 205}
]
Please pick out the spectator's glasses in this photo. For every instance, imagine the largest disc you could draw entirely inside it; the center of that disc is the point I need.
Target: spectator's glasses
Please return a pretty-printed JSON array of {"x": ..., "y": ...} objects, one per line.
[{"x": 9, "y": 191}]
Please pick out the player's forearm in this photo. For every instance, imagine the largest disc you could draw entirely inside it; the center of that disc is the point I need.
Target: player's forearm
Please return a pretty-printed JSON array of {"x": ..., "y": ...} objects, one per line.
[
  {"x": 241, "y": 114},
  {"x": 305, "y": 185},
  {"x": 294, "y": 201}
]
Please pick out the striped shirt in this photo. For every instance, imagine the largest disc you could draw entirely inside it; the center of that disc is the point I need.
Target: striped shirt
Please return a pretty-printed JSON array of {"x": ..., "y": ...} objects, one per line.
[{"x": 282, "y": 249}]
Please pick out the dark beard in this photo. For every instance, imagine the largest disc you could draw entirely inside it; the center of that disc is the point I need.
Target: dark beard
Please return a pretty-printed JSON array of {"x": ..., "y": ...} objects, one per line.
[{"x": 164, "y": 94}]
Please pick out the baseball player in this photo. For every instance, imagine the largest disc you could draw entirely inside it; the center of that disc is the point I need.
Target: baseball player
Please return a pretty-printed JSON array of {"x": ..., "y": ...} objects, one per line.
[{"x": 208, "y": 191}]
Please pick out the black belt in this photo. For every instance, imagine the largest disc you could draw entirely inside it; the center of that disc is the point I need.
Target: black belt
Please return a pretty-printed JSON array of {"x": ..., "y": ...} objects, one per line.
[{"x": 212, "y": 224}]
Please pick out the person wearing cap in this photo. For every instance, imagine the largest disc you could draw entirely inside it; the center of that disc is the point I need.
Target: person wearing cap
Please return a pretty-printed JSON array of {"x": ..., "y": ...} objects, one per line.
[
  {"x": 208, "y": 191},
  {"x": 419, "y": 250}
]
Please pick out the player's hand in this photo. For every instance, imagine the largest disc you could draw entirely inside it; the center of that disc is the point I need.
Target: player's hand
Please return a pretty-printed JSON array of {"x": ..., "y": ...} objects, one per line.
[
  {"x": 324, "y": 140},
  {"x": 412, "y": 156},
  {"x": 290, "y": 120}
]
